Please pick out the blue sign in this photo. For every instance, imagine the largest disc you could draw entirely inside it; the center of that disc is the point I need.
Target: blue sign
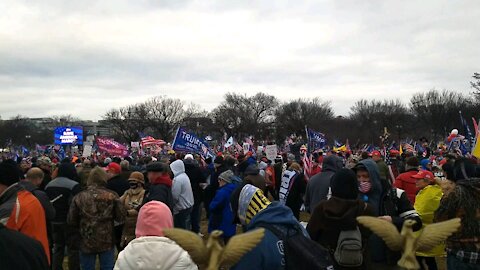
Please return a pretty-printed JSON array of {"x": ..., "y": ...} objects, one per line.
[
  {"x": 190, "y": 143},
  {"x": 316, "y": 139},
  {"x": 69, "y": 136}
]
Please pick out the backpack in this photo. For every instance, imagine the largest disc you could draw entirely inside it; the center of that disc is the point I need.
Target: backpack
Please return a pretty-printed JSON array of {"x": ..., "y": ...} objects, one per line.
[
  {"x": 349, "y": 252},
  {"x": 300, "y": 252}
]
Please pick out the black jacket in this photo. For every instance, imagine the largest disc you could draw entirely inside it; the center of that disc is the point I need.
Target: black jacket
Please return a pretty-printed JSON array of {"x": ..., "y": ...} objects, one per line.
[
  {"x": 118, "y": 184},
  {"x": 62, "y": 190},
  {"x": 161, "y": 193},
  {"x": 18, "y": 251},
  {"x": 196, "y": 177}
]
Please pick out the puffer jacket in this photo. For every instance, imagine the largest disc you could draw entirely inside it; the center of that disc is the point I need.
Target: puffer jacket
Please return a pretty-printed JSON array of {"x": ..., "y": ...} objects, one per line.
[
  {"x": 426, "y": 203},
  {"x": 221, "y": 217},
  {"x": 181, "y": 189},
  {"x": 143, "y": 253}
]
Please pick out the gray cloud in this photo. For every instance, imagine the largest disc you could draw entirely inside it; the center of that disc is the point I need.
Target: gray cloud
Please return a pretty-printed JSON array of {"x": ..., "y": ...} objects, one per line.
[{"x": 82, "y": 58}]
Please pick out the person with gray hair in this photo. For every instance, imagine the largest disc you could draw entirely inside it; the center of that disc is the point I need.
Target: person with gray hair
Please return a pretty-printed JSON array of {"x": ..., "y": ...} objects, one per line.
[{"x": 221, "y": 215}]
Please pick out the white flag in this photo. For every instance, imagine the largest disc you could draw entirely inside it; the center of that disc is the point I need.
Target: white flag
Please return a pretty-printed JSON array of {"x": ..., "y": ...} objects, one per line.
[{"x": 229, "y": 142}]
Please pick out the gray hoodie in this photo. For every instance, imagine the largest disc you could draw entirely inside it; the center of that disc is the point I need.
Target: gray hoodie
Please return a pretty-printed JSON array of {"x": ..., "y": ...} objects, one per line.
[
  {"x": 318, "y": 185},
  {"x": 181, "y": 189}
]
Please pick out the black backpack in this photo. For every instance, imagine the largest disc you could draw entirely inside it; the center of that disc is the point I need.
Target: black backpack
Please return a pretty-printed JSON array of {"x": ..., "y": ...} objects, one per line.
[{"x": 300, "y": 252}]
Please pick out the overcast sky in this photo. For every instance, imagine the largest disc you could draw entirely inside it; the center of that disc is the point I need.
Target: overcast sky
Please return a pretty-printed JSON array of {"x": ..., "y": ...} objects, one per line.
[{"x": 84, "y": 57}]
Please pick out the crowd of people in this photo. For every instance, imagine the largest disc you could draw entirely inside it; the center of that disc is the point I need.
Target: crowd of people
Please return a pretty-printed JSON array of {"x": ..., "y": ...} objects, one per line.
[{"x": 116, "y": 208}]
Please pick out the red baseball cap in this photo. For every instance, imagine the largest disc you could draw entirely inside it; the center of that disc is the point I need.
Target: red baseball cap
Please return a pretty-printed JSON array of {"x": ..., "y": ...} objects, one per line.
[
  {"x": 376, "y": 153},
  {"x": 114, "y": 168},
  {"x": 424, "y": 175}
]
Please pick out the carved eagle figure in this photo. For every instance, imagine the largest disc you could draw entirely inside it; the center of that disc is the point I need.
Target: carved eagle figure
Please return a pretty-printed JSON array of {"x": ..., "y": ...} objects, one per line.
[
  {"x": 213, "y": 253},
  {"x": 406, "y": 241}
]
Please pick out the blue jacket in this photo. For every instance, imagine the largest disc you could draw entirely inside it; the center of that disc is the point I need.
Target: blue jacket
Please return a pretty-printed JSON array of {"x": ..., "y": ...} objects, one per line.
[
  {"x": 221, "y": 216},
  {"x": 268, "y": 254}
]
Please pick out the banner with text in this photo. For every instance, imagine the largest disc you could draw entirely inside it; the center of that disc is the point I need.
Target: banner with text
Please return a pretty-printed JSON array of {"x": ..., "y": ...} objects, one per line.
[{"x": 189, "y": 142}]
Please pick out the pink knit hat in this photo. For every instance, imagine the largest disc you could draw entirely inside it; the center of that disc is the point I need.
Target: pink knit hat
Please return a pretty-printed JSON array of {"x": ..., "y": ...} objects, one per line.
[{"x": 152, "y": 218}]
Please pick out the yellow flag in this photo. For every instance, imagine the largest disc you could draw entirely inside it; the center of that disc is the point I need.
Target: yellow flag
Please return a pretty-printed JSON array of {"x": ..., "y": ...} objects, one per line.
[
  {"x": 476, "y": 149},
  {"x": 401, "y": 150}
]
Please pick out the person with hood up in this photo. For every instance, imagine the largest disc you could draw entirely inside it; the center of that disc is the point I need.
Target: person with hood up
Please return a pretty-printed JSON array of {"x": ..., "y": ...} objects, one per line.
[
  {"x": 339, "y": 213},
  {"x": 253, "y": 209},
  {"x": 292, "y": 188},
  {"x": 426, "y": 164},
  {"x": 388, "y": 203},
  {"x": 426, "y": 203},
  {"x": 91, "y": 216},
  {"x": 151, "y": 249},
  {"x": 160, "y": 188},
  {"x": 131, "y": 201},
  {"x": 318, "y": 186},
  {"x": 406, "y": 181},
  {"x": 463, "y": 247},
  {"x": 196, "y": 176},
  {"x": 221, "y": 216},
  {"x": 182, "y": 195},
  {"x": 60, "y": 191}
]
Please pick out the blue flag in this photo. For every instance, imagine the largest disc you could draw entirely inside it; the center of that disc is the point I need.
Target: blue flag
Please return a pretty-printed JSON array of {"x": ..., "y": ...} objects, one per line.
[
  {"x": 316, "y": 140},
  {"x": 61, "y": 153},
  {"x": 189, "y": 142},
  {"x": 468, "y": 133}
]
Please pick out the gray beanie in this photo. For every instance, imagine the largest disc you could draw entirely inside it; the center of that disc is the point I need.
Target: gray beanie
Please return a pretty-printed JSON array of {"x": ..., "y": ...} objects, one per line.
[{"x": 226, "y": 176}]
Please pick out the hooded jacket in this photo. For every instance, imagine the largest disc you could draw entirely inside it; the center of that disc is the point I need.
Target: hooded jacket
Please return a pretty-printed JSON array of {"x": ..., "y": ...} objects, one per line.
[
  {"x": 131, "y": 200},
  {"x": 387, "y": 201},
  {"x": 93, "y": 212},
  {"x": 221, "y": 217},
  {"x": 332, "y": 216},
  {"x": 319, "y": 184},
  {"x": 427, "y": 202},
  {"x": 61, "y": 190},
  {"x": 151, "y": 250},
  {"x": 181, "y": 189},
  {"x": 268, "y": 254}
]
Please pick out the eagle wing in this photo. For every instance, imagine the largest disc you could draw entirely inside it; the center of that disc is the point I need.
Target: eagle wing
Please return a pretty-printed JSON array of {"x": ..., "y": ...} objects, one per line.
[
  {"x": 436, "y": 233},
  {"x": 386, "y": 230},
  {"x": 190, "y": 242},
  {"x": 241, "y": 244}
]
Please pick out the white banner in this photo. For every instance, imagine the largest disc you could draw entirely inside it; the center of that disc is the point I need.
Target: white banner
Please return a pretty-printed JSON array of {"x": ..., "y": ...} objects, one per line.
[{"x": 87, "y": 150}]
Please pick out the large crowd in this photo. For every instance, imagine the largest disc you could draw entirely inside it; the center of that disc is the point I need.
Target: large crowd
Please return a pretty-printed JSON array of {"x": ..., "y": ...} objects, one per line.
[{"x": 116, "y": 208}]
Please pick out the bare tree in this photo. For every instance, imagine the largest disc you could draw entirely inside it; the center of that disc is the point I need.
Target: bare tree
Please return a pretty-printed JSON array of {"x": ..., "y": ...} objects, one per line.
[
  {"x": 292, "y": 117},
  {"x": 241, "y": 116}
]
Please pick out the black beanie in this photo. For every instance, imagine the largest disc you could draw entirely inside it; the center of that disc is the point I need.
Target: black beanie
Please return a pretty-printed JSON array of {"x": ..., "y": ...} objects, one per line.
[
  {"x": 413, "y": 162},
  {"x": 9, "y": 173},
  {"x": 344, "y": 184}
]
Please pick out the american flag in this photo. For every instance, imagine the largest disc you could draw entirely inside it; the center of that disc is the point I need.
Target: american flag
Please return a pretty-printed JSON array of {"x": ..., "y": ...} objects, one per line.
[
  {"x": 408, "y": 148},
  {"x": 307, "y": 165},
  {"x": 149, "y": 140}
]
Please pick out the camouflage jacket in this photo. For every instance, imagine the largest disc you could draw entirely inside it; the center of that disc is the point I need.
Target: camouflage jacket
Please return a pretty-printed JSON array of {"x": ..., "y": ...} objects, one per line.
[{"x": 91, "y": 216}]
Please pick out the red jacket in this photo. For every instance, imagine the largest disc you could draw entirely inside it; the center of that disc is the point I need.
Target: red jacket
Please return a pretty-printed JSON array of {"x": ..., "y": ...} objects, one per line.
[{"x": 406, "y": 182}]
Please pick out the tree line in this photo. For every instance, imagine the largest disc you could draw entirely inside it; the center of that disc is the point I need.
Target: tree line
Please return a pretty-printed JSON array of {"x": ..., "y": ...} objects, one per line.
[{"x": 431, "y": 114}]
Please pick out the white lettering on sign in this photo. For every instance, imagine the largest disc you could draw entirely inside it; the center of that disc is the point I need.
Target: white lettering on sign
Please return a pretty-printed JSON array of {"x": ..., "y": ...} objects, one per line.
[{"x": 68, "y": 136}]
